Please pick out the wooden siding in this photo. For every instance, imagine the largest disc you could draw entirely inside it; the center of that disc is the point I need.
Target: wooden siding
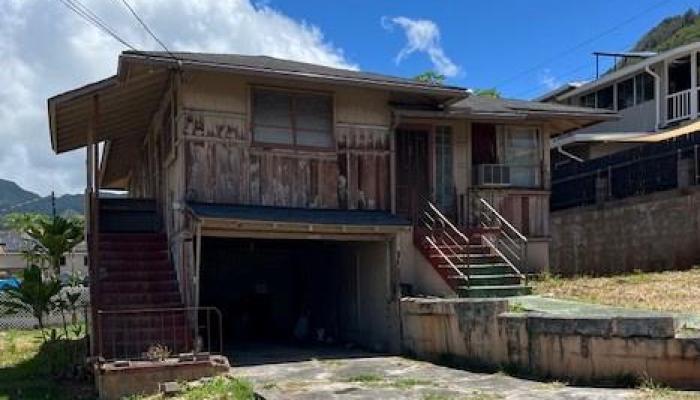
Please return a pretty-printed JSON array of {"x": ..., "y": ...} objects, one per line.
[{"x": 223, "y": 166}]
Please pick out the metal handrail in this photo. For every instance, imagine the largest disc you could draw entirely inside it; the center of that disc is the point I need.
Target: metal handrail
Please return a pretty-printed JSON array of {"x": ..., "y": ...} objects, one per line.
[
  {"x": 188, "y": 339},
  {"x": 442, "y": 232},
  {"x": 490, "y": 218},
  {"x": 449, "y": 262}
]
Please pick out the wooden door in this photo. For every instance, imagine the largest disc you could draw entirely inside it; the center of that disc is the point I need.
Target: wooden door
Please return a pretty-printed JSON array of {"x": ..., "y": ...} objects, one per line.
[{"x": 412, "y": 170}]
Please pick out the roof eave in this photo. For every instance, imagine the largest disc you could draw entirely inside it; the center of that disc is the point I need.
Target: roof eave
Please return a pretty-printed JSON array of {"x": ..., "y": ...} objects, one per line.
[{"x": 163, "y": 61}]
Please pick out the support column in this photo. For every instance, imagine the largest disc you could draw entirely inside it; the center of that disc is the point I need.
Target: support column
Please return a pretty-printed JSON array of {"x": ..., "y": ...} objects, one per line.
[{"x": 693, "y": 85}]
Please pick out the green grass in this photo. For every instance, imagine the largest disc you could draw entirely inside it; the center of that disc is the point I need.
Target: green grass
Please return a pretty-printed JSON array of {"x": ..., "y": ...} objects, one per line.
[
  {"x": 221, "y": 388},
  {"x": 27, "y": 367}
]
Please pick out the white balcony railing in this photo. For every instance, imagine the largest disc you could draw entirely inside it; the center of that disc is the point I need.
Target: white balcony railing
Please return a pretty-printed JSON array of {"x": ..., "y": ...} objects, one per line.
[{"x": 678, "y": 106}]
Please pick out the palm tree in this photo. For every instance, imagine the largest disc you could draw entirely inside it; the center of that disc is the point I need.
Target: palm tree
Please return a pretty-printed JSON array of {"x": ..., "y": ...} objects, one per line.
[
  {"x": 55, "y": 237},
  {"x": 33, "y": 295}
]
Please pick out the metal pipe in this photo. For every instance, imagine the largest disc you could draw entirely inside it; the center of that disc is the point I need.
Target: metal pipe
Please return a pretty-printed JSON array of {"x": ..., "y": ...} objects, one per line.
[
  {"x": 570, "y": 155},
  {"x": 657, "y": 94}
]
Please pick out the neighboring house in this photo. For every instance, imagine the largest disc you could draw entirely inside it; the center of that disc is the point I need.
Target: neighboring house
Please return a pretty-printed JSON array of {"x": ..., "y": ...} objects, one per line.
[
  {"x": 283, "y": 192},
  {"x": 653, "y": 97},
  {"x": 12, "y": 259}
]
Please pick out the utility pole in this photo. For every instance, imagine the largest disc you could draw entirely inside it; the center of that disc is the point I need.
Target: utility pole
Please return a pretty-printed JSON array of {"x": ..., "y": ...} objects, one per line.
[{"x": 53, "y": 204}]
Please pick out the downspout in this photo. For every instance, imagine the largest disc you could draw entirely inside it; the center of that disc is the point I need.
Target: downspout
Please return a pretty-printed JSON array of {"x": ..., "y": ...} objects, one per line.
[
  {"x": 657, "y": 94},
  {"x": 570, "y": 155}
]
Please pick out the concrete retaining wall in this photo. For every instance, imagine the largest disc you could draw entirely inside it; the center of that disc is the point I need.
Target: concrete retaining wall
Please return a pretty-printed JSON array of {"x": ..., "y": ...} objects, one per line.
[
  {"x": 611, "y": 350},
  {"x": 654, "y": 232}
]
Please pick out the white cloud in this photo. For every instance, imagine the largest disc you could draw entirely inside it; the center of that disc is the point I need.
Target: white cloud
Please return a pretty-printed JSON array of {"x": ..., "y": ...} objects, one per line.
[
  {"x": 423, "y": 35},
  {"x": 548, "y": 80},
  {"x": 59, "y": 51}
]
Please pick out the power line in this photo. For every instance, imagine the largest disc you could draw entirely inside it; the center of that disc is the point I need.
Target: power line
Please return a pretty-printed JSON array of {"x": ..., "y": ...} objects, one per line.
[
  {"x": 84, "y": 12},
  {"x": 145, "y": 26},
  {"x": 580, "y": 44}
]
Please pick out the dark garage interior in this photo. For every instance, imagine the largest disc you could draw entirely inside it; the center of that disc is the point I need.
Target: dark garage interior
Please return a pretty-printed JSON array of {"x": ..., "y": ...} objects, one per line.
[{"x": 297, "y": 292}]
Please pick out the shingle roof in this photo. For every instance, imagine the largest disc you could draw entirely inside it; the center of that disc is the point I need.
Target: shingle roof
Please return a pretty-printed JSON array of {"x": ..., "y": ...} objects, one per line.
[
  {"x": 272, "y": 65},
  {"x": 490, "y": 105},
  {"x": 12, "y": 242},
  {"x": 299, "y": 215}
]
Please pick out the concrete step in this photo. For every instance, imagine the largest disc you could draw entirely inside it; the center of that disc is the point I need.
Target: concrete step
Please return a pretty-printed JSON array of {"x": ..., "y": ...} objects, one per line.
[
  {"x": 491, "y": 280},
  {"x": 483, "y": 269},
  {"x": 494, "y": 291}
]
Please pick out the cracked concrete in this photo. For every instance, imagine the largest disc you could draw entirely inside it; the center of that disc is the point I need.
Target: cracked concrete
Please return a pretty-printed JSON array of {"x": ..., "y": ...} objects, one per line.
[{"x": 357, "y": 375}]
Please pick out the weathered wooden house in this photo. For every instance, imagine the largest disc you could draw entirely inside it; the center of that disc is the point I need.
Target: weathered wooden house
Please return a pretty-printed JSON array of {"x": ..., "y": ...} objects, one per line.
[{"x": 281, "y": 192}]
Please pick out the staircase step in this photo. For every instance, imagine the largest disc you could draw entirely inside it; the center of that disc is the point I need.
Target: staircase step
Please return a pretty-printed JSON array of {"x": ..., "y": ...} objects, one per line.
[
  {"x": 122, "y": 306},
  {"x": 482, "y": 269},
  {"x": 143, "y": 300},
  {"x": 156, "y": 245},
  {"x": 133, "y": 255},
  {"x": 490, "y": 280},
  {"x": 133, "y": 237},
  {"x": 142, "y": 275},
  {"x": 494, "y": 291},
  {"x": 140, "y": 286},
  {"x": 116, "y": 265}
]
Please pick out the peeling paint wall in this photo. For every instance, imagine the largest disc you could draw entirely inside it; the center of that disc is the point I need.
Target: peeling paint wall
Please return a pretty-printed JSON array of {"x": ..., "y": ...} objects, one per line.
[
  {"x": 481, "y": 333},
  {"x": 225, "y": 166}
]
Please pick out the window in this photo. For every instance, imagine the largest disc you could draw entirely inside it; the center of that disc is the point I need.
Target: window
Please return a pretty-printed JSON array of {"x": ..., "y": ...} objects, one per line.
[
  {"x": 522, "y": 154},
  {"x": 588, "y": 100},
  {"x": 625, "y": 94},
  {"x": 604, "y": 98},
  {"x": 644, "y": 87},
  {"x": 292, "y": 119}
]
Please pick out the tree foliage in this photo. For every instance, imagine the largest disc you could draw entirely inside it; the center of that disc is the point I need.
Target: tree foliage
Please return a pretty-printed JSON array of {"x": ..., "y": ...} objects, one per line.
[
  {"x": 431, "y": 77},
  {"x": 487, "y": 92},
  {"x": 34, "y": 295},
  {"x": 52, "y": 237}
]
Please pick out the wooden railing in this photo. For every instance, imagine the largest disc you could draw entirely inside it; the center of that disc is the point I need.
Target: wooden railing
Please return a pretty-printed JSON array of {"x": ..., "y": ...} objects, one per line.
[
  {"x": 678, "y": 106},
  {"x": 451, "y": 244},
  {"x": 503, "y": 238}
]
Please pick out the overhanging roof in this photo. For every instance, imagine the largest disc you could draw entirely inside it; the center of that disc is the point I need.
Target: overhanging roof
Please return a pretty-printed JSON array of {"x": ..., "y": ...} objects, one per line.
[
  {"x": 234, "y": 220},
  {"x": 627, "y": 137},
  {"x": 631, "y": 69}
]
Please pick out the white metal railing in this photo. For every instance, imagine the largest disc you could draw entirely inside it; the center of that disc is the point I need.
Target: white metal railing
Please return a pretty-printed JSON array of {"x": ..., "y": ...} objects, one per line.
[
  {"x": 678, "y": 106},
  {"x": 450, "y": 243},
  {"x": 507, "y": 242}
]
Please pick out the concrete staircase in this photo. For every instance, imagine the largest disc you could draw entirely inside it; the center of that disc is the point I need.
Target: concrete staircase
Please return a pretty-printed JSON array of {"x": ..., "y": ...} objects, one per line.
[
  {"x": 136, "y": 290},
  {"x": 466, "y": 258}
]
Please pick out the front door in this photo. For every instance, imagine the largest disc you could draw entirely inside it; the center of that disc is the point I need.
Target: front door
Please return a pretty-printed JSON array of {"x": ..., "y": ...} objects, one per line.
[{"x": 412, "y": 171}]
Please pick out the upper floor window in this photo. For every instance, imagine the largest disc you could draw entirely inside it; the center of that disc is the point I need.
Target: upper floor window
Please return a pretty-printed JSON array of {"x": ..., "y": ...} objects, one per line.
[
  {"x": 632, "y": 91},
  {"x": 644, "y": 87},
  {"x": 295, "y": 119},
  {"x": 604, "y": 98}
]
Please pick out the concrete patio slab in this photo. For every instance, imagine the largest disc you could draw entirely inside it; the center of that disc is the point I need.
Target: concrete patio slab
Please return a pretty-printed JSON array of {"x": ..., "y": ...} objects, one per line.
[{"x": 359, "y": 375}]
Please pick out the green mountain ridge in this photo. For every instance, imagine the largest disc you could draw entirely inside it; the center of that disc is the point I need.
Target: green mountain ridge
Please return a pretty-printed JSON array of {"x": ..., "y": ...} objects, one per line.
[
  {"x": 671, "y": 32},
  {"x": 14, "y": 198}
]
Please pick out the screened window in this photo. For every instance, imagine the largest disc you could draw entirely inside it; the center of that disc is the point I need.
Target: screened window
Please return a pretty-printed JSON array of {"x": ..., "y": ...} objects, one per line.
[
  {"x": 644, "y": 86},
  {"x": 292, "y": 119},
  {"x": 604, "y": 98},
  {"x": 521, "y": 151},
  {"x": 625, "y": 94},
  {"x": 588, "y": 100}
]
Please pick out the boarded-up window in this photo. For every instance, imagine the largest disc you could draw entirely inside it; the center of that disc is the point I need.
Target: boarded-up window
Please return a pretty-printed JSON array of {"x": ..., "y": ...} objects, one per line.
[{"x": 292, "y": 119}]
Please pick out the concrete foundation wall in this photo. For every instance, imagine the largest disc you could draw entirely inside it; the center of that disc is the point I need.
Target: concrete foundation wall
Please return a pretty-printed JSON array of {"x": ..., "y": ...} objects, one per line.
[
  {"x": 652, "y": 232},
  {"x": 610, "y": 350}
]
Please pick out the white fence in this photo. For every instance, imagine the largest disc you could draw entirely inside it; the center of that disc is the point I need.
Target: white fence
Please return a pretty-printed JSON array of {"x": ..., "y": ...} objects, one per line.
[{"x": 25, "y": 320}]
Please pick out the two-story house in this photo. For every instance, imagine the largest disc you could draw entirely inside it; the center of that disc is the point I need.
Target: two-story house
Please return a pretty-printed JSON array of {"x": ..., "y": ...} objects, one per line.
[
  {"x": 654, "y": 96},
  {"x": 299, "y": 199}
]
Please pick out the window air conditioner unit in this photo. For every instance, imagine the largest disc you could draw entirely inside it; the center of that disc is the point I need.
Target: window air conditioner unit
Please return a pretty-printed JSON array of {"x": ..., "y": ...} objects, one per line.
[{"x": 493, "y": 175}]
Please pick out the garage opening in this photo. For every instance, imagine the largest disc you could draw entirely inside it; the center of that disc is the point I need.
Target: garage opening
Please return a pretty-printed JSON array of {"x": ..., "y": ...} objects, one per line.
[{"x": 299, "y": 292}]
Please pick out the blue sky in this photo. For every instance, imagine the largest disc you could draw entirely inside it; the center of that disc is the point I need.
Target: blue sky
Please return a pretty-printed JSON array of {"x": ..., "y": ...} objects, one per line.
[{"x": 491, "y": 41}]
